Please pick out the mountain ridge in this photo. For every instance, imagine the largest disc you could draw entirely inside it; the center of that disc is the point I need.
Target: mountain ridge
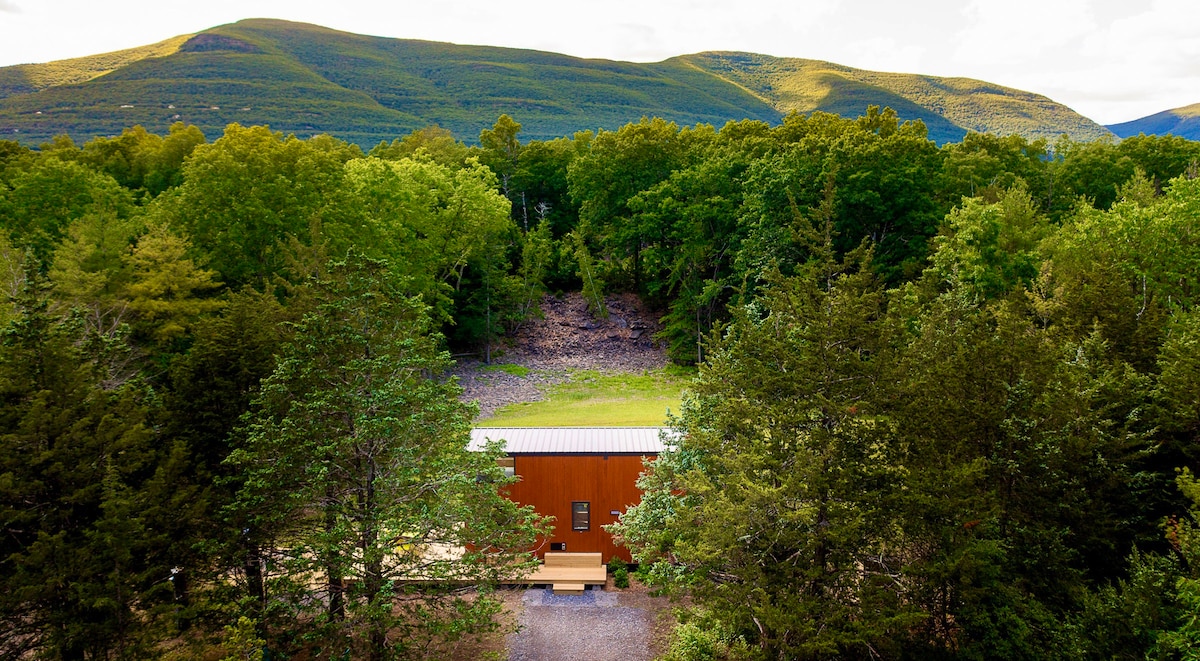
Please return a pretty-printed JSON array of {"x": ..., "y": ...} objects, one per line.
[
  {"x": 1183, "y": 122},
  {"x": 304, "y": 79}
]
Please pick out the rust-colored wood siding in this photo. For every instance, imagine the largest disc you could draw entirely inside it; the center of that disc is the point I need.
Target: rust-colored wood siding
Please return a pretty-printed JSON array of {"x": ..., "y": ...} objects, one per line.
[{"x": 551, "y": 482}]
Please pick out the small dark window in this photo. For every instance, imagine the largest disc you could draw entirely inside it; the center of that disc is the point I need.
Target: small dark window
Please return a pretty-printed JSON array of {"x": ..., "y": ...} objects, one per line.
[{"x": 581, "y": 516}]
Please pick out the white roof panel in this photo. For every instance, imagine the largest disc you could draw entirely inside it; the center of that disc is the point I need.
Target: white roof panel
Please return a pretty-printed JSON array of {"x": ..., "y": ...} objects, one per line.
[{"x": 574, "y": 440}]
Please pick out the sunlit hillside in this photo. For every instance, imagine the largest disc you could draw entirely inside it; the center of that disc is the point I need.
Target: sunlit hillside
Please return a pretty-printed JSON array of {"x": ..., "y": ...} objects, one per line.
[
  {"x": 948, "y": 106},
  {"x": 306, "y": 79},
  {"x": 26, "y": 78}
]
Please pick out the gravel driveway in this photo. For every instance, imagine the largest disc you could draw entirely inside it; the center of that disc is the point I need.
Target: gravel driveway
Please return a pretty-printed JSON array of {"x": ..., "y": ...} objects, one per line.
[{"x": 588, "y": 627}]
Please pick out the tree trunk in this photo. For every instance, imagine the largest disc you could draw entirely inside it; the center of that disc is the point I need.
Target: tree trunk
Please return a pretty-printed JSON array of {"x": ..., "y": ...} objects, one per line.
[
  {"x": 183, "y": 598},
  {"x": 255, "y": 587},
  {"x": 373, "y": 569},
  {"x": 335, "y": 585}
]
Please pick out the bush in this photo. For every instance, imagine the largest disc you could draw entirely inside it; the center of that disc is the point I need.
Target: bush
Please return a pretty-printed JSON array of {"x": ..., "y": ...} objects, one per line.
[
  {"x": 619, "y": 571},
  {"x": 242, "y": 642},
  {"x": 699, "y": 637},
  {"x": 621, "y": 578},
  {"x": 642, "y": 572}
]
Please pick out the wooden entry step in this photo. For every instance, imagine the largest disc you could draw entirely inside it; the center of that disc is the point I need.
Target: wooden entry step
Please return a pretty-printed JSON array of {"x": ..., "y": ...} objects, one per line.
[
  {"x": 563, "y": 569},
  {"x": 568, "y": 588},
  {"x": 577, "y": 560}
]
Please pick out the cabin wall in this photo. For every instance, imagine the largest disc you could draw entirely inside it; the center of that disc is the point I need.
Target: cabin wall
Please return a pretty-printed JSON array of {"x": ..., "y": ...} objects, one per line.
[{"x": 552, "y": 482}]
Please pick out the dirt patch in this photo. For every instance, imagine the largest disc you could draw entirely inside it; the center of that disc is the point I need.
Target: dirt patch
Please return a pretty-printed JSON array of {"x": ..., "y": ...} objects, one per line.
[
  {"x": 566, "y": 338},
  {"x": 492, "y": 645},
  {"x": 660, "y": 613}
]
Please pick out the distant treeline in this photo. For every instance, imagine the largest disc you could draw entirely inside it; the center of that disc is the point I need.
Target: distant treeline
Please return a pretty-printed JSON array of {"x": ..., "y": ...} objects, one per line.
[{"x": 944, "y": 391}]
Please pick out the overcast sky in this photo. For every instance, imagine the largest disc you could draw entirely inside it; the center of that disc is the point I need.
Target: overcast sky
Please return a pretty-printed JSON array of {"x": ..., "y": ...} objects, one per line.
[{"x": 1111, "y": 60}]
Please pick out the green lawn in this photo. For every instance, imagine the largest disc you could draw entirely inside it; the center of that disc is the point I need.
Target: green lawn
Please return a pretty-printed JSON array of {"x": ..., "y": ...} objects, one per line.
[{"x": 597, "y": 399}]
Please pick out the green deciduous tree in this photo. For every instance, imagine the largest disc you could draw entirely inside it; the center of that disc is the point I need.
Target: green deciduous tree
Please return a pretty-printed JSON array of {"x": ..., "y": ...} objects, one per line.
[
  {"x": 1120, "y": 271},
  {"x": 90, "y": 270},
  {"x": 616, "y": 167},
  {"x": 501, "y": 149},
  {"x": 432, "y": 142},
  {"x": 244, "y": 195},
  {"x": 51, "y": 194},
  {"x": 1092, "y": 171},
  {"x": 12, "y": 155},
  {"x": 539, "y": 188},
  {"x": 359, "y": 482},
  {"x": 142, "y": 161},
  {"x": 166, "y": 289},
  {"x": 987, "y": 250},
  {"x": 14, "y": 272},
  {"x": 429, "y": 221},
  {"x": 1161, "y": 157},
  {"x": 882, "y": 177},
  {"x": 537, "y": 249},
  {"x": 689, "y": 265},
  {"x": 590, "y": 275},
  {"x": 984, "y": 165}
]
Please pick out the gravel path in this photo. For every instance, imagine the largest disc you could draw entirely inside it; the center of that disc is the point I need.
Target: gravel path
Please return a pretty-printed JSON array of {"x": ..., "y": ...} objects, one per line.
[{"x": 588, "y": 627}]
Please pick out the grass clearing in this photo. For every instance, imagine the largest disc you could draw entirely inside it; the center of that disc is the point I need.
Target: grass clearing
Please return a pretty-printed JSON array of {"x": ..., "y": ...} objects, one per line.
[
  {"x": 507, "y": 368},
  {"x": 601, "y": 399}
]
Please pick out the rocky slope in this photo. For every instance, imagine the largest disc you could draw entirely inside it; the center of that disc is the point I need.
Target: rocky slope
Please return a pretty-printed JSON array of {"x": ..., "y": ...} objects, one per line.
[{"x": 566, "y": 338}]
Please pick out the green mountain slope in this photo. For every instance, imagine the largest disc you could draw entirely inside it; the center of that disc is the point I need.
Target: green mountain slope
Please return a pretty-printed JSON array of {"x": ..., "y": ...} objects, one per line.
[
  {"x": 948, "y": 106},
  {"x": 27, "y": 78},
  {"x": 307, "y": 79},
  {"x": 1183, "y": 122}
]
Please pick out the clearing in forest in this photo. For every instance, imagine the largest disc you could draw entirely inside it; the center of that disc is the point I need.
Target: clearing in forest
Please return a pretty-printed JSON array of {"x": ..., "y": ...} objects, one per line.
[{"x": 569, "y": 369}]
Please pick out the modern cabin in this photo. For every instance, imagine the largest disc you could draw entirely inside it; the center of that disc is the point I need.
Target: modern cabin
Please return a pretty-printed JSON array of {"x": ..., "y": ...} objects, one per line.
[{"x": 584, "y": 477}]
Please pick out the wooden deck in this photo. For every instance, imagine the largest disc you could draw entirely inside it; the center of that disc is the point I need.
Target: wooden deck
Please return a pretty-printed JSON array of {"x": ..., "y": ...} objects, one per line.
[
  {"x": 568, "y": 573},
  {"x": 565, "y": 573}
]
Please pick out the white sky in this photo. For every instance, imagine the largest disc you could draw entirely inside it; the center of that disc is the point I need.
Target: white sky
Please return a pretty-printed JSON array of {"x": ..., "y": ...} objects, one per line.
[{"x": 1111, "y": 60}]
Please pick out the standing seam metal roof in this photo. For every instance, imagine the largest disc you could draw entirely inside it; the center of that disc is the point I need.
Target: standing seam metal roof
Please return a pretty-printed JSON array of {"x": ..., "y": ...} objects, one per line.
[{"x": 573, "y": 440}]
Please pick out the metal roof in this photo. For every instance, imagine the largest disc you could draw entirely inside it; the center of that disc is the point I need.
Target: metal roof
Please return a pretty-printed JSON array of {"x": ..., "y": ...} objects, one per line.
[{"x": 573, "y": 440}]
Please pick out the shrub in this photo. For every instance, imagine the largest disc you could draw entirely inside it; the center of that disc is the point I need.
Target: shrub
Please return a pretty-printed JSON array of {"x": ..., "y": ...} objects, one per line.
[
  {"x": 242, "y": 642},
  {"x": 621, "y": 578},
  {"x": 699, "y": 637},
  {"x": 619, "y": 571}
]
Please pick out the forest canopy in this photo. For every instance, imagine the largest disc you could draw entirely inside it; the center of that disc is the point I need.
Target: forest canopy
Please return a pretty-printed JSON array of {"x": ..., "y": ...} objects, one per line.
[{"x": 948, "y": 402}]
